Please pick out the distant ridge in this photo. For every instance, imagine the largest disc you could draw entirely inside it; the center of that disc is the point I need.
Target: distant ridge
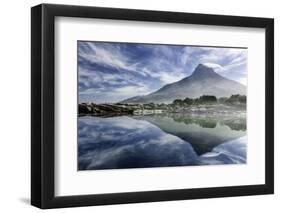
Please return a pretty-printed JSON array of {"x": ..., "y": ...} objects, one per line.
[{"x": 203, "y": 81}]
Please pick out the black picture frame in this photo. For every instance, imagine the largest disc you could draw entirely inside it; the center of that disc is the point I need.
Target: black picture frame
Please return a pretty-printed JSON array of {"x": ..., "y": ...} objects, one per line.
[{"x": 43, "y": 102}]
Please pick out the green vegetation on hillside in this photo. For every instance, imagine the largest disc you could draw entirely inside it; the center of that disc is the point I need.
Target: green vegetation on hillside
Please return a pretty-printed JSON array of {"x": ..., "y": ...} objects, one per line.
[{"x": 210, "y": 99}]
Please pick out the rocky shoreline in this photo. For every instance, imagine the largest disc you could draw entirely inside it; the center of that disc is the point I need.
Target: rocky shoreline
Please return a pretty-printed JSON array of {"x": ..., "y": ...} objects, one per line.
[
  {"x": 148, "y": 109},
  {"x": 236, "y": 104}
]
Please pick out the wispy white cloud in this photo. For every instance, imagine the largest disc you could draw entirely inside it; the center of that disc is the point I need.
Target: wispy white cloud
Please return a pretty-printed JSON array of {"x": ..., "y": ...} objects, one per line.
[
  {"x": 129, "y": 91},
  {"x": 168, "y": 78},
  {"x": 114, "y": 94},
  {"x": 218, "y": 68},
  {"x": 107, "y": 55},
  {"x": 229, "y": 62}
]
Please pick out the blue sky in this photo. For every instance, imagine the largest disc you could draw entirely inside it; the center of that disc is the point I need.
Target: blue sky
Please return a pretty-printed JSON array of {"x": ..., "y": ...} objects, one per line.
[{"x": 111, "y": 72}]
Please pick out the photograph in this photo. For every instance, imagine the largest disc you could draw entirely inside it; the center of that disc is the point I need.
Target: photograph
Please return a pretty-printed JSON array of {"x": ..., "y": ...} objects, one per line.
[
  {"x": 160, "y": 105},
  {"x": 141, "y": 105}
]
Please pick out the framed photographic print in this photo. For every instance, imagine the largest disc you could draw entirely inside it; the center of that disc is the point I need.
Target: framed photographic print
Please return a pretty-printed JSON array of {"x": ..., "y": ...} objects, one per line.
[{"x": 139, "y": 106}]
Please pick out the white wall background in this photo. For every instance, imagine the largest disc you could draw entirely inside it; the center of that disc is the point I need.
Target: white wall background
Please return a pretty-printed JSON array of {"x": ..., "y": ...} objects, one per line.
[{"x": 15, "y": 105}]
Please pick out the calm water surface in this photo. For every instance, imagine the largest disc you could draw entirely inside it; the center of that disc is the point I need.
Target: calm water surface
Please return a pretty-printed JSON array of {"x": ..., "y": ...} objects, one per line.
[{"x": 160, "y": 141}]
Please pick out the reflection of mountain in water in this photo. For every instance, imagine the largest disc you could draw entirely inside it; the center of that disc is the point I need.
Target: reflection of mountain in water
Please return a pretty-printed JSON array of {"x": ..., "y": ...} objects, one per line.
[
  {"x": 210, "y": 122},
  {"x": 203, "y": 133},
  {"x": 125, "y": 142}
]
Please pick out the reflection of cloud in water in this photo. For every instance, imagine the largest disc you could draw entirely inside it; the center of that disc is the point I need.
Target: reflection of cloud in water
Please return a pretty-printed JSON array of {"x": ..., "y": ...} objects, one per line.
[
  {"x": 230, "y": 152},
  {"x": 123, "y": 142}
]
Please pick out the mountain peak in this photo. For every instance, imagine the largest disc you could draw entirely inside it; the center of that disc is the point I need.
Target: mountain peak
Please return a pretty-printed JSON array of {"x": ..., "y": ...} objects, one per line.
[
  {"x": 203, "y": 81},
  {"x": 204, "y": 71}
]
